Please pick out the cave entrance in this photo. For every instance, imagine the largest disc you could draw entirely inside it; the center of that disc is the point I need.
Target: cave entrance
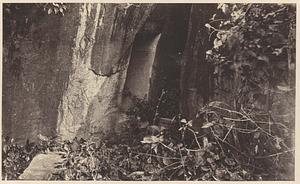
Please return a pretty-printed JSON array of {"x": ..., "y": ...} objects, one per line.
[{"x": 155, "y": 59}]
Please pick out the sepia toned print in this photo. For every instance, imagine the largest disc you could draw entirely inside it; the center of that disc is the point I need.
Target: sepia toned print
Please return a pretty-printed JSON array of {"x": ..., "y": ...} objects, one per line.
[{"x": 148, "y": 92}]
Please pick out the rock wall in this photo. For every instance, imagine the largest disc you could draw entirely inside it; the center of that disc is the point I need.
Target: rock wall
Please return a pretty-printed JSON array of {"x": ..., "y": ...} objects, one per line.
[
  {"x": 195, "y": 71},
  {"x": 36, "y": 66},
  {"x": 166, "y": 66},
  {"x": 82, "y": 82},
  {"x": 66, "y": 74},
  {"x": 107, "y": 64},
  {"x": 140, "y": 67}
]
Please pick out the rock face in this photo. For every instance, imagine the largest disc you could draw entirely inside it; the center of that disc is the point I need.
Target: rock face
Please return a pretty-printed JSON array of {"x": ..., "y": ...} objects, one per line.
[
  {"x": 167, "y": 62},
  {"x": 64, "y": 75},
  {"x": 108, "y": 65},
  {"x": 140, "y": 67},
  {"x": 36, "y": 68},
  {"x": 195, "y": 71}
]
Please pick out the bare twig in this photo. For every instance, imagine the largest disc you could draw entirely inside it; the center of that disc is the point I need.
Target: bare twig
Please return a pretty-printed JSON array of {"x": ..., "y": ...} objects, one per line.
[
  {"x": 232, "y": 119},
  {"x": 248, "y": 9},
  {"x": 211, "y": 34},
  {"x": 230, "y": 111},
  {"x": 216, "y": 20},
  {"x": 269, "y": 123},
  {"x": 196, "y": 139},
  {"x": 175, "y": 169},
  {"x": 252, "y": 121},
  {"x": 156, "y": 115},
  {"x": 274, "y": 123},
  {"x": 192, "y": 150},
  {"x": 157, "y": 156},
  {"x": 217, "y": 140},
  {"x": 174, "y": 163},
  {"x": 274, "y": 155},
  {"x": 236, "y": 149},
  {"x": 228, "y": 132},
  {"x": 182, "y": 161},
  {"x": 242, "y": 130},
  {"x": 171, "y": 149}
]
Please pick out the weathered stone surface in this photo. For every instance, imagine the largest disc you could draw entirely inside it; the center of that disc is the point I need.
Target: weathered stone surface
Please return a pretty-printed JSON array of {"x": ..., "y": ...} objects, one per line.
[
  {"x": 90, "y": 104},
  {"x": 41, "y": 167},
  {"x": 195, "y": 71},
  {"x": 116, "y": 35},
  {"x": 82, "y": 84},
  {"x": 36, "y": 65},
  {"x": 140, "y": 66},
  {"x": 166, "y": 66},
  {"x": 56, "y": 81},
  {"x": 68, "y": 73}
]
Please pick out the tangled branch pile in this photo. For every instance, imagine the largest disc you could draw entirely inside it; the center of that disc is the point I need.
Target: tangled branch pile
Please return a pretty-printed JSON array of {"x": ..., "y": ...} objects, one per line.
[{"x": 219, "y": 144}]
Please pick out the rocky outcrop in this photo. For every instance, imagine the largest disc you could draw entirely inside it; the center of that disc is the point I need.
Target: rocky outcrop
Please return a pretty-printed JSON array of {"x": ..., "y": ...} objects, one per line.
[
  {"x": 64, "y": 75},
  {"x": 195, "y": 70},
  {"x": 90, "y": 104},
  {"x": 167, "y": 63},
  {"x": 36, "y": 68}
]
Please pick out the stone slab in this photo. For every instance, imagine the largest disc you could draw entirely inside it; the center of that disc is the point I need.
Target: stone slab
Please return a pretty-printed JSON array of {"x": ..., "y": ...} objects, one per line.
[{"x": 41, "y": 167}]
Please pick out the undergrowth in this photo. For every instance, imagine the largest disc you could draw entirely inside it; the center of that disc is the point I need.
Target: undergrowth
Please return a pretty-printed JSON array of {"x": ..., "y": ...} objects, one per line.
[
  {"x": 16, "y": 157},
  {"x": 218, "y": 144}
]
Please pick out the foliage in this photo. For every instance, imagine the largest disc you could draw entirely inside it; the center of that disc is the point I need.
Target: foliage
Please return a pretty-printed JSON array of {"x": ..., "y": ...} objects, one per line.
[
  {"x": 254, "y": 57},
  {"x": 146, "y": 110},
  {"x": 251, "y": 51},
  {"x": 54, "y": 8},
  {"x": 14, "y": 159},
  {"x": 86, "y": 160},
  {"x": 218, "y": 144},
  {"x": 230, "y": 145},
  {"x": 17, "y": 157},
  {"x": 50, "y": 8},
  {"x": 205, "y": 148},
  {"x": 169, "y": 106},
  {"x": 141, "y": 109}
]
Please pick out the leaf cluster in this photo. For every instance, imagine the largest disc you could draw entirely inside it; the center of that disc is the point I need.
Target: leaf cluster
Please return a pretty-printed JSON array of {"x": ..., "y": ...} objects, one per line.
[
  {"x": 16, "y": 157},
  {"x": 218, "y": 144},
  {"x": 251, "y": 49}
]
